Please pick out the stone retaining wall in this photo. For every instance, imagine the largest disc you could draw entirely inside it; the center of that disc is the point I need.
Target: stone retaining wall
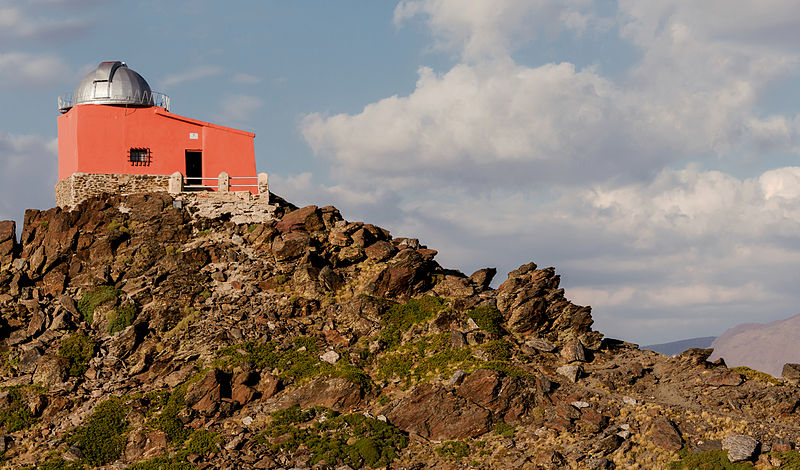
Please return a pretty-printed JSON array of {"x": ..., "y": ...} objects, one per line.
[{"x": 71, "y": 191}]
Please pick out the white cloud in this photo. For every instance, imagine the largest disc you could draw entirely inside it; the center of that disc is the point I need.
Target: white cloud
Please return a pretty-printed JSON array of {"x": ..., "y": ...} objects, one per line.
[
  {"x": 23, "y": 70},
  {"x": 238, "y": 108},
  {"x": 246, "y": 78},
  {"x": 21, "y": 22},
  {"x": 480, "y": 29},
  {"x": 194, "y": 73},
  {"x": 29, "y": 174}
]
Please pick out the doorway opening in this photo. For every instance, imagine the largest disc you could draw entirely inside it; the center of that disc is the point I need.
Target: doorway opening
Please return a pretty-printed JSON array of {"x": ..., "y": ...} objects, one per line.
[{"x": 194, "y": 168}]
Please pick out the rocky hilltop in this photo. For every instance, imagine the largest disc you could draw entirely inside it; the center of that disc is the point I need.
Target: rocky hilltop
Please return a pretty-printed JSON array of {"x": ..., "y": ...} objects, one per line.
[
  {"x": 762, "y": 346},
  {"x": 139, "y": 334}
]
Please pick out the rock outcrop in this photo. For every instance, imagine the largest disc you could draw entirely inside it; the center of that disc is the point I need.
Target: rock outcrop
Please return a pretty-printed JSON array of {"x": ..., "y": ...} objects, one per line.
[{"x": 136, "y": 330}]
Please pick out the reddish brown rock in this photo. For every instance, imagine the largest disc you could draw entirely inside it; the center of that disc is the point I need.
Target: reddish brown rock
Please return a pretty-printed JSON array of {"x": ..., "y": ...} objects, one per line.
[
  {"x": 306, "y": 218},
  {"x": 664, "y": 434},
  {"x": 454, "y": 287},
  {"x": 243, "y": 394},
  {"x": 334, "y": 393},
  {"x": 722, "y": 376},
  {"x": 380, "y": 251},
  {"x": 290, "y": 245},
  {"x": 483, "y": 277},
  {"x": 434, "y": 413}
]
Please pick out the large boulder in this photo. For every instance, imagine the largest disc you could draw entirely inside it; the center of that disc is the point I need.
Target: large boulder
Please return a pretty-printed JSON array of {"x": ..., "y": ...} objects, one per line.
[
  {"x": 534, "y": 304},
  {"x": 434, "y": 413}
]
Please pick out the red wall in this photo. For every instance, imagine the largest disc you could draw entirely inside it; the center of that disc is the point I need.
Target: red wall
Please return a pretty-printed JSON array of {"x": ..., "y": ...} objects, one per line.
[{"x": 98, "y": 138}]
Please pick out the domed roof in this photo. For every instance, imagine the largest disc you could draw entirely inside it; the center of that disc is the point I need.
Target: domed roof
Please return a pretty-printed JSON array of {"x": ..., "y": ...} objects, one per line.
[{"x": 113, "y": 83}]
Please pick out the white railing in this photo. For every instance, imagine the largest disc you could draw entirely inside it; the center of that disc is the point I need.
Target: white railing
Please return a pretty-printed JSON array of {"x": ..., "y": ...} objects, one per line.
[
  {"x": 258, "y": 184},
  {"x": 146, "y": 98}
]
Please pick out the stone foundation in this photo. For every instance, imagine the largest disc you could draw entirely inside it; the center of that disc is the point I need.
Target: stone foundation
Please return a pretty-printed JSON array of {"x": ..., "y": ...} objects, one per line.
[
  {"x": 80, "y": 186},
  {"x": 71, "y": 191}
]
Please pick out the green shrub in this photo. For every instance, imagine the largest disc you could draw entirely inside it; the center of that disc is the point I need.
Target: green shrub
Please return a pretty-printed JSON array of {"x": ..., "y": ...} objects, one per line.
[
  {"x": 95, "y": 298},
  {"x": 121, "y": 317},
  {"x": 162, "y": 462},
  {"x": 488, "y": 319},
  {"x": 751, "y": 374},
  {"x": 400, "y": 317},
  {"x": 202, "y": 442},
  {"x": 167, "y": 420},
  {"x": 102, "y": 439},
  {"x": 789, "y": 459},
  {"x": 352, "y": 439},
  {"x": 497, "y": 350},
  {"x": 55, "y": 462},
  {"x": 710, "y": 460},
  {"x": 17, "y": 415},
  {"x": 78, "y": 349},
  {"x": 504, "y": 429},
  {"x": 453, "y": 450}
]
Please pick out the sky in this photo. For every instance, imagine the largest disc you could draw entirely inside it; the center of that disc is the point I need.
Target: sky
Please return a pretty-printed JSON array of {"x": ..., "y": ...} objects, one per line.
[{"x": 647, "y": 150}]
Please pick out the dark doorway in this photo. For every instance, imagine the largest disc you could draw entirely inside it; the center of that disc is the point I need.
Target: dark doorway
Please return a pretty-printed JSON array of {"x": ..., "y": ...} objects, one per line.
[{"x": 194, "y": 168}]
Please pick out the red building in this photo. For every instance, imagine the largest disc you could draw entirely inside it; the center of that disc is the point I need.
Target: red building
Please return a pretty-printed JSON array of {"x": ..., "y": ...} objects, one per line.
[{"x": 115, "y": 124}]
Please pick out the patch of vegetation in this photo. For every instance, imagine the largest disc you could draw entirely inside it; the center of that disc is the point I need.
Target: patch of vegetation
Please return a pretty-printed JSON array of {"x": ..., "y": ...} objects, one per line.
[
  {"x": 489, "y": 319},
  {"x": 400, "y": 317},
  {"x": 505, "y": 430},
  {"x": 95, "y": 298},
  {"x": 281, "y": 279},
  {"x": 335, "y": 439},
  {"x": 121, "y": 317},
  {"x": 118, "y": 225},
  {"x": 203, "y": 233},
  {"x": 55, "y": 462},
  {"x": 298, "y": 363},
  {"x": 751, "y": 374},
  {"x": 252, "y": 228},
  {"x": 162, "y": 462},
  {"x": 204, "y": 295},
  {"x": 497, "y": 350},
  {"x": 789, "y": 459},
  {"x": 172, "y": 250},
  {"x": 17, "y": 415},
  {"x": 453, "y": 450},
  {"x": 102, "y": 439},
  {"x": 709, "y": 460},
  {"x": 169, "y": 407},
  {"x": 200, "y": 442},
  {"x": 78, "y": 349}
]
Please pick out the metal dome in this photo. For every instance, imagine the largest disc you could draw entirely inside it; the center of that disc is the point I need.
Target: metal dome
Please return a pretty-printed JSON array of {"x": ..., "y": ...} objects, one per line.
[{"x": 114, "y": 83}]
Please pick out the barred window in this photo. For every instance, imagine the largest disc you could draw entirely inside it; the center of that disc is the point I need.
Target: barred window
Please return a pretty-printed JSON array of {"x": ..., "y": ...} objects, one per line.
[{"x": 139, "y": 156}]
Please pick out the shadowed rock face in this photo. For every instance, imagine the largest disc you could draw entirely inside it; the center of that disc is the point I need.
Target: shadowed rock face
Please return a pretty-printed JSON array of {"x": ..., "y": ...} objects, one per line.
[
  {"x": 219, "y": 344},
  {"x": 765, "y": 347}
]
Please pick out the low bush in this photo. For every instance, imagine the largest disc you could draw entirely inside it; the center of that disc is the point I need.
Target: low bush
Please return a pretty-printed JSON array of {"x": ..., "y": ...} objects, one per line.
[
  {"x": 121, "y": 317},
  {"x": 489, "y": 319},
  {"x": 102, "y": 439},
  {"x": 453, "y": 450},
  {"x": 78, "y": 349},
  {"x": 17, "y": 415},
  {"x": 95, "y": 298}
]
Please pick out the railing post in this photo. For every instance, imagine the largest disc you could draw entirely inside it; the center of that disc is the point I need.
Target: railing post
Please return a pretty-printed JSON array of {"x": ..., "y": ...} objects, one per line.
[
  {"x": 176, "y": 183},
  {"x": 263, "y": 184},
  {"x": 224, "y": 184}
]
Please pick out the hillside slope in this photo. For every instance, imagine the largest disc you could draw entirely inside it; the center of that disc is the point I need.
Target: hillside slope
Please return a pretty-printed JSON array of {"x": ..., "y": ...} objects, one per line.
[
  {"x": 761, "y": 346},
  {"x": 139, "y": 334}
]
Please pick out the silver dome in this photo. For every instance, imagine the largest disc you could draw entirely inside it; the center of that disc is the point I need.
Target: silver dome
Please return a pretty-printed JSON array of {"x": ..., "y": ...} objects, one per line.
[{"x": 113, "y": 83}]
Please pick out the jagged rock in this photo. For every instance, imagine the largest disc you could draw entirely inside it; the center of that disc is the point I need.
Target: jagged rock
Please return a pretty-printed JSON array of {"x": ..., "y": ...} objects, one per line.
[
  {"x": 483, "y": 277},
  {"x": 571, "y": 371},
  {"x": 51, "y": 371},
  {"x": 740, "y": 447},
  {"x": 8, "y": 243},
  {"x": 434, "y": 413},
  {"x": 454, "y": 287},
  {"x": 380, "y": 250},
  {"x": 540, "y": 345},
  {"x": 722, "y": 376},
  {"x": 457, "y": 339},
  {"x": 290, "y": 245},
  {"x": 243, "y": 394},
  {"x": 206, "y": 395},
  {"x": 664, "y": 434},
  {"x": 269, "y": 386},
  {"x": 307, "y": 218},
  {"x": 791, "y": 372},
  {"x": 331, "y": 357},
  {"x": 696, "y": 355},
  {"x": 534, "y": 304},
  {"x": 573, "y": 351},
  {"x": 334, "y": 393}
]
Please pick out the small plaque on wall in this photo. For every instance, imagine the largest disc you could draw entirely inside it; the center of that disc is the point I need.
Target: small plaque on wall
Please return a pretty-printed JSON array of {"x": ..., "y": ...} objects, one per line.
[{"x": 194, "y": 135}]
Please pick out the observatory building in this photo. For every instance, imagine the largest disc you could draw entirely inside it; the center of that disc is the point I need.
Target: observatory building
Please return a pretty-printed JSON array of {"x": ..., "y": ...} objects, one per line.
[{"x": 117, "y": 135}]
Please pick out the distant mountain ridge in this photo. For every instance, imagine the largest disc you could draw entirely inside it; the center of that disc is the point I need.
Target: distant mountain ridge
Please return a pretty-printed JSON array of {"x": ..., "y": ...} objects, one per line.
[
  {"x": 676, "y": 347},
  {"x": 761, "y": 346}
]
